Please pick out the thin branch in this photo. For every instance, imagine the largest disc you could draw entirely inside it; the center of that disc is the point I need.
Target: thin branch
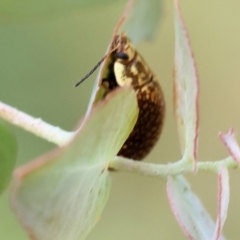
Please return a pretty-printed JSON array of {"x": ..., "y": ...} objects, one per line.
[
  {"x": 34, "y": 125},
  {"x": 164, "y": 170},
  {"x": 60, "y": 137}
]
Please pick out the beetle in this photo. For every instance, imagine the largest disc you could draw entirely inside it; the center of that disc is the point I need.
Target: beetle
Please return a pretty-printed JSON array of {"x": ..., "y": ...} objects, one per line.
[{"x": 125, "y": 66}]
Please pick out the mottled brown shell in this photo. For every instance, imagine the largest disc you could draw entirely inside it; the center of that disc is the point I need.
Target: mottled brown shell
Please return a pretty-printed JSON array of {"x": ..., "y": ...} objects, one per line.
[
  {"x": 149, "y": 125},
  {"x": 126, "y": 66}
]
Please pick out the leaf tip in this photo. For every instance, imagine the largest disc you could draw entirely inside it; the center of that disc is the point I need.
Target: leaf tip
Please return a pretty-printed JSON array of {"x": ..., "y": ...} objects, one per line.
[{"x": 231, "y": 144}]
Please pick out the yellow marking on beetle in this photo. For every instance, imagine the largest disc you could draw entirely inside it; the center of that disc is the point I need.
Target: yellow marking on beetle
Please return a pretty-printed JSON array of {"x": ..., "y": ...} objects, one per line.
[
  {"x": 134, "y": 70},
  {"x": 121, "y": 78}
]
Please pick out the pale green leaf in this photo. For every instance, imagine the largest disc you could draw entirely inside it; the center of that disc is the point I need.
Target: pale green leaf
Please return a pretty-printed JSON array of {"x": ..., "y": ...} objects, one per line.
[
  {"x": 143, "y": 20},
  {"x": 61, "y": 195},
  {"x": 193, "y": 218},
  {"x": 223, "y": 201},
  {"x": 8, "y": 154},
  {"x": 231, "y": 144},
  {"x": 185, "y": 89}
]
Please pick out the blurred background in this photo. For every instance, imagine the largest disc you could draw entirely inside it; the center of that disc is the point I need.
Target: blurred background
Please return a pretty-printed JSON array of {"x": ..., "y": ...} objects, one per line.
[{"x": 41, "y": 58}]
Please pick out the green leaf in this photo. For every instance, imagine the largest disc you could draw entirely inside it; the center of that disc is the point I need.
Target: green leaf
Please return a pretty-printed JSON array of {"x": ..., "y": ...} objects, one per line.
[
  {"x": 188, "y": 210},
  {"x": 186, "y": 89},
  {"x": 13, "y": 10},
  {"x": 143, "y": 20},
  {"x": 8, "y": 153},
  {"x": 62, "y": 194}
]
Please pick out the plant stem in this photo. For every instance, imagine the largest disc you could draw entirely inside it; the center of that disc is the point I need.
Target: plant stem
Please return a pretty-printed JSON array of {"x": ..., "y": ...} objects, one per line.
[
  {"x": 34, "y": 125},
  {"x": 60, "y": 137},
  {"x": 164, "y": 170}
]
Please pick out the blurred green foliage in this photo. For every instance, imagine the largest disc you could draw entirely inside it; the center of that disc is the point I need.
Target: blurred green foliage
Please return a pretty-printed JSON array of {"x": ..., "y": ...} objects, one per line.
[{"x": 14, "y": 10}]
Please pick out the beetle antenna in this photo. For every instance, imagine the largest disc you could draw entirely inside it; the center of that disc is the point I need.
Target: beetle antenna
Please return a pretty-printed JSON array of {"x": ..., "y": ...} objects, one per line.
[
  {"x": 91, "y": 72},
  {"x": 95, "y": 67}
]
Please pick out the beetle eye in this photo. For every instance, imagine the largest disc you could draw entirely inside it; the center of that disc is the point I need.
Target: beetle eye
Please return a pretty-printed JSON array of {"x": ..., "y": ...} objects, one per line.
[{"x": 122, "y": 55}]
